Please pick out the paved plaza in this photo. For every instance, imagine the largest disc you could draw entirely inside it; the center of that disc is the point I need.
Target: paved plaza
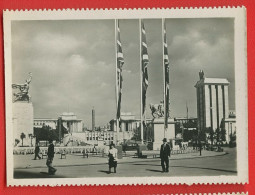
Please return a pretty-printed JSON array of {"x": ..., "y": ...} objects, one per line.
[{"x": 75, "y": 166}]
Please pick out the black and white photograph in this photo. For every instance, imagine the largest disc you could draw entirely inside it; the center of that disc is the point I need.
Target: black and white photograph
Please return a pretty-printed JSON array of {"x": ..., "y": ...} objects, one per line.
[{"x": 126, "y": 96}]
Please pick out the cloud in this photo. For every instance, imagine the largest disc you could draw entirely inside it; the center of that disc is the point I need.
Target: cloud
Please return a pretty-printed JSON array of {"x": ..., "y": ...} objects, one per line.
[
  {"x": 73, "y": 63},
  {"x": 55, "y": 44}
]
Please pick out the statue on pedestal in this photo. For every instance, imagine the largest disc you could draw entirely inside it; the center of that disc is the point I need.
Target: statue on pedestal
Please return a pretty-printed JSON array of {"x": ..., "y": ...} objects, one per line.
[
  {"x": 201, "y": 74},
  {"x": 157, "y": 110},
  {"x": 22, "y": 95}
]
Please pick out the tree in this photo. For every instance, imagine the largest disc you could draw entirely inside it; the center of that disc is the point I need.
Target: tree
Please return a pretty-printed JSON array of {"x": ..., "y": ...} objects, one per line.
[
  {"x": 63, "y": 131},
  {"x": 137, "y": 134},
  {"x": 53, "y": 135},
  {"x": 16, "y": 142},
  {"x": 41, "y": 133},
  {"x": 22, "y": 136},
  {"x": 223, "y": 134},
  {"x": 232, "y": 142},
  {"x": 202, "y": 135},
  {"x": 210, "y": 131},
  {"x": 220, "y": 134},
  {"x": 217, "y": 134},
  {"x": 178, "y": 128}
]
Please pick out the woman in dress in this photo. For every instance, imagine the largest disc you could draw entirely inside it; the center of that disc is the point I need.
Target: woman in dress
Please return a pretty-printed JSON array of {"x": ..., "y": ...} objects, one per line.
[{"x": 112, "y": 158}]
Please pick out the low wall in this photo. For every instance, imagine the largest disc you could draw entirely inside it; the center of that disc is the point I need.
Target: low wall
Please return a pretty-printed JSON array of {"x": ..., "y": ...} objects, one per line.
[
  {"x": 68, "y": 150},
  {"x": 184, "y": 151}
]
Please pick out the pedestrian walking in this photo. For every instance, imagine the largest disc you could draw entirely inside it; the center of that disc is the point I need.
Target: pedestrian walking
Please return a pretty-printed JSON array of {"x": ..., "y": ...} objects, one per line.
[
  {"x": 37, "y": 151},
  {"x": 164, "y": 155},
  {"x": 51, "y": 169},
  {"x": 112, "y": 158}
]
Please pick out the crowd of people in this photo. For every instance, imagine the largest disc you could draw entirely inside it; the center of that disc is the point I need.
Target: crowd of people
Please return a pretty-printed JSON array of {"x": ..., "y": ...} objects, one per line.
[{"x": 165, "y": 151}]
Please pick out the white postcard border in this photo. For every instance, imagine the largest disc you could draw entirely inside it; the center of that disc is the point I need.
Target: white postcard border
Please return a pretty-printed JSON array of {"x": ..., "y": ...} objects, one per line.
[{"x": 239, "y": 15}]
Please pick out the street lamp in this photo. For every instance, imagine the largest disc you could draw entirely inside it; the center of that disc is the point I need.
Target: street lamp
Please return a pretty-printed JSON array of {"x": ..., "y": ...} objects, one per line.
[{"x": 231, "y": 138}]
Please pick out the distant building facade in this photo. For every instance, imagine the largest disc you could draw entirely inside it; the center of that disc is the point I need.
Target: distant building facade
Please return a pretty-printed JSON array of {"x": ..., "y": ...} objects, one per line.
[
  {"x": 69, "y": 120},
  {"x": 213, "y": 105},
  {"x": 185, "y": 120},
  {"x": 212, "y": 101},
  {"x": 92, "y": 137},
  {"x": 184, "y": 123},
  {"x": 230, "y": 125},
  {"x": 128, "y": 125},
  {"x": 40, "y": 122},
  {"x": 71, "y": 123}
]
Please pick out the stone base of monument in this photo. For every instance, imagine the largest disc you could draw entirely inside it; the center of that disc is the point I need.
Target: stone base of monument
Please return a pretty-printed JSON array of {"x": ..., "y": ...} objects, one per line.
[
  {"x": 23, "y": 121},
  {"x": 159, "y": 132}
]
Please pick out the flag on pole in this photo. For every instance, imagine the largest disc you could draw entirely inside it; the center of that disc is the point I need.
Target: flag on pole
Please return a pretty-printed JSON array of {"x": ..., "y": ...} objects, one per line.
[
  {"x": 144, "y": 71},
  {"x": 187, "y": 108},
  {"x": 166, "y": 76},
  {"x": 120, "y": 62}
]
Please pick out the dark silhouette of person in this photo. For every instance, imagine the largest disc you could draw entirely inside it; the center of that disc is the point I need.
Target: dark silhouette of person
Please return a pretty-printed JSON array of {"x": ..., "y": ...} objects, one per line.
[
  {"x": 51, "y": 169},
  {"x": 164, "y": 155},
  {"x": 37, "y": 151}
]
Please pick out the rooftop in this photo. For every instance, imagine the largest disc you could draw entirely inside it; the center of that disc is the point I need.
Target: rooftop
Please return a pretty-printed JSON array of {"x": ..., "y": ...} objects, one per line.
[{"x": 213, "y": 81}]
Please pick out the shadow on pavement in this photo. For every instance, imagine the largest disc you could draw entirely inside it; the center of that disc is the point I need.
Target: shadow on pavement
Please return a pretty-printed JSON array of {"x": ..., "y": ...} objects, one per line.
[
  {"x": 153, "y": 170},
  {"x": 213, "y": 169},
  {"x": 145, "y": 164},
  {"x": 102, "y": 171},
  {"x": 18, "y": 174},
  {"x": 45, "y": 173}
]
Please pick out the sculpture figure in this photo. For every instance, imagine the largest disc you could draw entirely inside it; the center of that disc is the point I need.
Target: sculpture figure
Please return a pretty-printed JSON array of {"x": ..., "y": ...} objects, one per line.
[
  {"x": 157, "y": 110},
  {"x": 22, "y": 95},
  {"x": 201, "y": 74}
]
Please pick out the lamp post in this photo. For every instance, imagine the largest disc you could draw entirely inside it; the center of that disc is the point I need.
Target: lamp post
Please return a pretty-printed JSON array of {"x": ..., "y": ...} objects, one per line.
[
  {"x": 199, "y": 143},
  {"x": 231, "y": 135}
]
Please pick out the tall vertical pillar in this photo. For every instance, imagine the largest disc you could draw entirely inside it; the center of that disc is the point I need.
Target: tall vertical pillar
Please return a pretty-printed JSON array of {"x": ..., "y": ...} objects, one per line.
[
  {"x": 201, "y": 107},
  {"x": 59, "y": 129},
  {"x": 93, "y": 119},
  {"x": 214, "y": 105},
  {"x": 211, "y": 108},
  {"x": 207, "y": 106},
  {"x": 217, "y": 106},
  {"x": 220, "y": 104},
  {"x": 198, "y": 109},
  {"x": 226, "y": 101}
]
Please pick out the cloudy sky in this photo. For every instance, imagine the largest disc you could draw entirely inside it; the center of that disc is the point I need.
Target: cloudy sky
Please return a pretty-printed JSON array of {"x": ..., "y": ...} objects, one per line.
[{"x": 73, "y": 64}]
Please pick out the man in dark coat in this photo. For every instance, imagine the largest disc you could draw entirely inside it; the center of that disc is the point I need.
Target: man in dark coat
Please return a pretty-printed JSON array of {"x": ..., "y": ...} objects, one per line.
[
  {"x": 50, "y": 154},
  {"x": 164, "y": 155},
  {"x": 37, "y": 151}
]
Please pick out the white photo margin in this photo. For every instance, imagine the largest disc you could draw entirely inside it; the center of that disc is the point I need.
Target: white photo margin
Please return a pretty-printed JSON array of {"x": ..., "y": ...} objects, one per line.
[{"x": 239, "y": 15}]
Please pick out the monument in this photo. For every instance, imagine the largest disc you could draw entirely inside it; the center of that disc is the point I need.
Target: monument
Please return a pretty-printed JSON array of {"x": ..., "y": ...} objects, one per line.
[
  {"x": 212, "y": 101},
  {"x": 158, "y": 126},
  {"x": 23, "y": 114}
]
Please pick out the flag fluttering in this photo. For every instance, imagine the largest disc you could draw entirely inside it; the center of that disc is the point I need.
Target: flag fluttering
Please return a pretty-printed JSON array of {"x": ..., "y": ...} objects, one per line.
[
  {"x": 120, "y": 63},
  {"x": 166, "y": 76},
  {"x": 144, "y": 71}
]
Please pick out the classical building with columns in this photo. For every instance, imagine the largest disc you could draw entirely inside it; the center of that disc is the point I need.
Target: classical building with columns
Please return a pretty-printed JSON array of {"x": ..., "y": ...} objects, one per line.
[
  {"x": 128, "y": 125},
  {"x": 212, "y": 101},
  {"x": 69, "y": 120}
]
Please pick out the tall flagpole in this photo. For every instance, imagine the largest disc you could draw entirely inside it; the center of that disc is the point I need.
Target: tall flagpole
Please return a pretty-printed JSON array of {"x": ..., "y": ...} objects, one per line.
[
  {"x": 117, "y": 83},
  {"x": 164, "y": 79},
  {"x": 187, "y": 110},
  {"x": 141, "y": 78}
]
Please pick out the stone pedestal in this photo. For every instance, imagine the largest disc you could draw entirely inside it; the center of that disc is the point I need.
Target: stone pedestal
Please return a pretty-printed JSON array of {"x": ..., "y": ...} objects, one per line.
[
  {"x": 158, "y": 131},
  {"x": 23, "y": 119}
]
